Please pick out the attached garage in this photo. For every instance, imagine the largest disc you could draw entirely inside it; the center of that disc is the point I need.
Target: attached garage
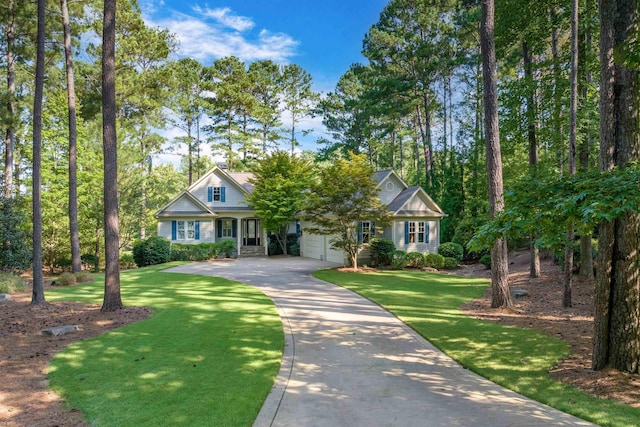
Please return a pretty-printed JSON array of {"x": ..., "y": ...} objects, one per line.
[{"x": 318, "y": 247}]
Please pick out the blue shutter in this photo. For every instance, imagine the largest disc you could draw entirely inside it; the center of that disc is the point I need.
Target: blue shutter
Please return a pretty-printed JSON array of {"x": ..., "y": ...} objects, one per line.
[
  {"x": 234, "y": 226},
  {"x": 219, "y": 227},
  {"x": 298, "y": 228},
  {"x": 426, "y": 231},
  {"x": 373, "y": 229},
  {"x": 359, "y": 231},
  {"x": 210, "y": 194},
  {"x": 197, "y": 230},
  {"x": 406, "y": 232},
  {"x": 174, "y": 230},
  {"x": 222, "y": 196}
]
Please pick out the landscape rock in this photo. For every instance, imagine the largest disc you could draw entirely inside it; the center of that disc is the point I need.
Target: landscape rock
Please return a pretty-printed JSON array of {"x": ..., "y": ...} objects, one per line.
[
  {"x": 59, "y": 330},
  {"x": 5, "y": 297},
  {"x": 519, "y": 293}
]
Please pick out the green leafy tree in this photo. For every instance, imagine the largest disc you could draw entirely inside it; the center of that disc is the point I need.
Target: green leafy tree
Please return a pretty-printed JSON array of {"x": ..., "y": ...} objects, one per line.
[
  {"x": 280, "y": 190},
  {"x": 344, "y": 195},
  {"x": 15, "y": 252}
]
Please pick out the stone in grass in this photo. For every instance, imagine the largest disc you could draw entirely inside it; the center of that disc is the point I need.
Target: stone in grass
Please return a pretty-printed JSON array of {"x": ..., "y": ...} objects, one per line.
[
  {"x": 5, "y": 297},
  {"x": 519, "y": 293},
  {"x": 54, "y": 331}
]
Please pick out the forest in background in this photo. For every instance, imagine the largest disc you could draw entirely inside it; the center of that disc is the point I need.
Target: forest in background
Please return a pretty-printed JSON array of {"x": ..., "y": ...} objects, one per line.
[{"x": 415, "y": 106}]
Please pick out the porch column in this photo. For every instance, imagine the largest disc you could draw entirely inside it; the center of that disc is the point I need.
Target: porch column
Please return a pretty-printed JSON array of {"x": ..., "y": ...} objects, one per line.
[{"x": 239, "y": 235}]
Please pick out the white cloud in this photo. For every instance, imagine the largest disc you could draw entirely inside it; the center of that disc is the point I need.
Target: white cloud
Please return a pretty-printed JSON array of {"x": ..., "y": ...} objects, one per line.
[
  {"x": 225, "y": 17},
  {"x": 210, "y": 34}
]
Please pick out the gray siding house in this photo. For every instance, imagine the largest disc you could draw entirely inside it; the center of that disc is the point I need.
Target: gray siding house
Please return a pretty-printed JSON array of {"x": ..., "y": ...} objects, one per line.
[{"x": 214, "y": 208}]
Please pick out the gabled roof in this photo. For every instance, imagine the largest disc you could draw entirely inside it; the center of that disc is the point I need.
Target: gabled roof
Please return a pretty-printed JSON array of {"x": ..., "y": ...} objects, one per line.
[
  {"x": 203, "y": 210},
  {"x": 239, "y": 180},
  {"x": 398, "y": 206},
  {"x": 242, "y": 178},
  {"x": 381, "y": 176}
]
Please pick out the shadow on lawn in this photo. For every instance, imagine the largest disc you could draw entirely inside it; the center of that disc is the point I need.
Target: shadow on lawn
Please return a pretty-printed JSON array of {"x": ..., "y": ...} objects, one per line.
[{"x": 210, "y": 352}]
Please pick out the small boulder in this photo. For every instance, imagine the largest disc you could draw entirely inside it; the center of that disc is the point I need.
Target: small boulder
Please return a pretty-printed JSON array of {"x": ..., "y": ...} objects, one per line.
[
  {"x": 54, "y": 331},
  {"x": 5, "y": 297},
  {"x": 519, "y": 293}
]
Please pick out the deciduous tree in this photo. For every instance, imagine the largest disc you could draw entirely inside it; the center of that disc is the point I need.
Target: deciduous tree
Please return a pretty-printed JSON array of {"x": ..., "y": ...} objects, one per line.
[
  {"x": 280, "y": 189},
  {"x": 345, "y": 194}
]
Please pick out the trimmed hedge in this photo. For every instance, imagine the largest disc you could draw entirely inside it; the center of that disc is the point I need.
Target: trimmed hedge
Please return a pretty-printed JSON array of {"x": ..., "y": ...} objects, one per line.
[
  {"x": 399, "y": 260},
  {"x": 382, "y": 251},
  {"x": 451, "y": 250},
  {"x": 450, "y": 263},
  {"x": 434, "y": 261},
  {"x": 415, "y": 260},
  {"x": 202, "y": 251},
  {"x": 154, "y": 250}
]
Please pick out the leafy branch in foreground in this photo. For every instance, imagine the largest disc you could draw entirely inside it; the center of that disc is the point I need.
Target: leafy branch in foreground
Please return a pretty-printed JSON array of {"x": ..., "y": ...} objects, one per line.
[{"x": 548, "y": 206}]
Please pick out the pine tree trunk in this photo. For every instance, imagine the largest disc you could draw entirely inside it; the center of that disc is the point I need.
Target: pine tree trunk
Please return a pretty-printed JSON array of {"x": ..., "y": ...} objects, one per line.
[
  {"x": 501, "y": 296},
  {"x": 37, "y": 296},
  {"x": 10, "y": 136},
  {"x": 573, "y": 120},
  {"x": 617, "y": 299},
  {"x": 112, "y": 299},
  {"x": 534, "y": 265},
  {"x": 76, "y": 263},
  {"x": 586, "y": 250}
]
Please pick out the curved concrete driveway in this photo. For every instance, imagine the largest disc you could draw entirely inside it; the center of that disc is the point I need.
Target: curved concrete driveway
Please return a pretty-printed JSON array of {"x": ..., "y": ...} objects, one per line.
[{"x": 348, "y": 362}]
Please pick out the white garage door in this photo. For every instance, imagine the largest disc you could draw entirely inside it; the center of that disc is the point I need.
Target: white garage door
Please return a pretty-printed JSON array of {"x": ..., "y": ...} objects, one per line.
[
  {"x": 334, "y": 255},
  {"x": 318, "y": 247},
  {"x": 312, "y": 246}
]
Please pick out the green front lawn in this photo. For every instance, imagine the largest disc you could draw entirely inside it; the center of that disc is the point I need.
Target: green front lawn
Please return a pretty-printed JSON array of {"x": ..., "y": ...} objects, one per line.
[
  {"x": 207, "y": 356},
  {"x": 515, "y": 358}
]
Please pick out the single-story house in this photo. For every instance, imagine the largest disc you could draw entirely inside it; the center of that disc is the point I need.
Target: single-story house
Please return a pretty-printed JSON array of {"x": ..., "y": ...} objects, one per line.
[{"x": 214, "y": 208}]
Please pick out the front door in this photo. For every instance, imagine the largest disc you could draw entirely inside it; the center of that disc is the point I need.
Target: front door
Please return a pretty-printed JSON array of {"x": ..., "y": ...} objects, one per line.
[{"x": 251, "y": 232}]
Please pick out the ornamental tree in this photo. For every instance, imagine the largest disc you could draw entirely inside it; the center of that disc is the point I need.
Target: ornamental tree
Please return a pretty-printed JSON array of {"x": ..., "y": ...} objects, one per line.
[
  {"x": 280, "y": 183},
  {"x": 345, "y": 195}
]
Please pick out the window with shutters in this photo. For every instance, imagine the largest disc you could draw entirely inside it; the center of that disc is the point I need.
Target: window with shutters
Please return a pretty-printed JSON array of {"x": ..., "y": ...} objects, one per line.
[
  {"x": 366, "y": 231},
  {"x": 217, "y": 194},
  {"x": 180, "y": 235},
  {"x": 186, "y": 230},
  {"x": 417, "y": 232}
]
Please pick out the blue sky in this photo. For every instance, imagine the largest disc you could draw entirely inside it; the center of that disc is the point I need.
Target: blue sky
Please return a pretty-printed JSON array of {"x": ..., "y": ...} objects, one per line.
[{"x": 324, "y": 37}]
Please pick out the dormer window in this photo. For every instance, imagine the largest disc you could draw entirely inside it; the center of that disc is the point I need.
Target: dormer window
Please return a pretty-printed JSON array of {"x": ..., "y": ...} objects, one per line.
[{"x": 215, "y": 194}]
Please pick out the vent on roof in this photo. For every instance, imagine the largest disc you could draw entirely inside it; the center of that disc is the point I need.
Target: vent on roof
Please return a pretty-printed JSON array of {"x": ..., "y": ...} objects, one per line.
[{"x": 223, "y": 165}]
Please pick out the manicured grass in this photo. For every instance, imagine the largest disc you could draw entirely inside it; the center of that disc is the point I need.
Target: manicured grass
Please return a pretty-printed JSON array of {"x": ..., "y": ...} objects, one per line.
[
  {"x": 518, "y": 359},
  {"x": 208, "y": 356}
]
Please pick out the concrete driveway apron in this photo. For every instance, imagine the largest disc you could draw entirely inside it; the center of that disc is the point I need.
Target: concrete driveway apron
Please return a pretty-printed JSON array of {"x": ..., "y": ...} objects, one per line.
[{"x": 348, "y": 362}]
